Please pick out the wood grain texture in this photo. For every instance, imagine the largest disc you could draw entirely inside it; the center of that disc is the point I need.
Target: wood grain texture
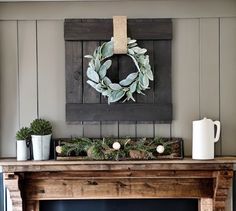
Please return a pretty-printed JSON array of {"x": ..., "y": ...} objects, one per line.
[
  {"x": 74, "y": 71},
  {"x": 12, "y": 184},
  {"x": 27, "y": 72},
  {"x": 9, "y": 112},
  {"x": 51, "y": 78},
  {"x": 151, "y": 29},
  {"x": 227, "y": 84},
  {"x": 117, "y": 111},
  {"x": 11, "y": 165},
  {"x": 209, "y": 71},
  {"x": 185, "y": 79}
]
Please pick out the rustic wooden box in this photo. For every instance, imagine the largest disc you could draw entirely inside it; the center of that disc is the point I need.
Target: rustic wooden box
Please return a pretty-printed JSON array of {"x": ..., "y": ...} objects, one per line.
[{"x": 176, "y": 146}]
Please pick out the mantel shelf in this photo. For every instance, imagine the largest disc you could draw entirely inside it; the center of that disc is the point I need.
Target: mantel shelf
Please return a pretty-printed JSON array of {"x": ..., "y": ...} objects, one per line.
[{"x": 11, "y": 165}]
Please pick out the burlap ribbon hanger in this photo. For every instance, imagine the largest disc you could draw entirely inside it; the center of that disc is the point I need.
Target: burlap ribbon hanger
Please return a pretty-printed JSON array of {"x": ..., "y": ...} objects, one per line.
[{"x": 120, "y": 34}]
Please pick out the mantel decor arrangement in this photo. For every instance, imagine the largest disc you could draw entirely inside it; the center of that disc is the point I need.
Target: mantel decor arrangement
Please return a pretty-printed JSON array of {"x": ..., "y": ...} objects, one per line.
[{"x": 119, "y": 149}]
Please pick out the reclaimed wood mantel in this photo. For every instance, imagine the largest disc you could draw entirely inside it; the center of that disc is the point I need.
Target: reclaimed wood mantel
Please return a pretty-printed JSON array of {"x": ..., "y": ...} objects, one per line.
[{"x": 32, "y": 181}]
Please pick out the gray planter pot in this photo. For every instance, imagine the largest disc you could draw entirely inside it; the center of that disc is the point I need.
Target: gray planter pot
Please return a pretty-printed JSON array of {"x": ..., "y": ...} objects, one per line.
[
  {"x": 21, "y": 150},
  {"x": 41, "y": 146}
]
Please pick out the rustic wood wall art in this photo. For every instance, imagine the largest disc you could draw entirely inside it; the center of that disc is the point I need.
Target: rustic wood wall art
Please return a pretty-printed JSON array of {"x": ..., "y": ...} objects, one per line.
[{"x": 83, "y": 103}]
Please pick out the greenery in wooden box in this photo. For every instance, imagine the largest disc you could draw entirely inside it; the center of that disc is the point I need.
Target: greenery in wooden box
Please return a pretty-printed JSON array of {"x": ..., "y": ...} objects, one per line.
[{"x": 119, "y": 149}]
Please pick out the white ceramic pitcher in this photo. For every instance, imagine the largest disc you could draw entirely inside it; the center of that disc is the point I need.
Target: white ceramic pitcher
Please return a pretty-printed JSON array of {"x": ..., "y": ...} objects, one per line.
[{"x": 204, "y": 138}]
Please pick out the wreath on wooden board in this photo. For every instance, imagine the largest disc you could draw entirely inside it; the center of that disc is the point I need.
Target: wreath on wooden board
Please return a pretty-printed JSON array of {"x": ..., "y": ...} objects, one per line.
[{"x": 134, "y": 82}]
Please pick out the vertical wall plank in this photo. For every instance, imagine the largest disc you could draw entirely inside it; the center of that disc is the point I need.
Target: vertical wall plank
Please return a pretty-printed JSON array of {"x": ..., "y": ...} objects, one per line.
[
  {"x": 91, "y": 129},
  {"x": 185, "y": 80},
  {"x": 146, "y": 129},
  {"x": 162, "y": 130},
  {"x": 51, "y": 78},
  {"x": 110, "y": 128},
  {"x": 209, "y": 71},
  {"x": 8, "y": 88},
  {"x": 227, "y": 84},
  {"x": 27, "y": 72},
  {"x": 126, "y": 129}
]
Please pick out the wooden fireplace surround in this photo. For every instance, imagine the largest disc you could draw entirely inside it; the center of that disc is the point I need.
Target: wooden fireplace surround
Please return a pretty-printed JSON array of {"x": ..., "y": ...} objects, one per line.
[{"x": 31, "y": 181}]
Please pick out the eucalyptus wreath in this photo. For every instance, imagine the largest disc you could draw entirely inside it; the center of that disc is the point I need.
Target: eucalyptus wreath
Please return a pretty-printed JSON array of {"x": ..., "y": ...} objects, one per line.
[{"x": 134, "y": 82}]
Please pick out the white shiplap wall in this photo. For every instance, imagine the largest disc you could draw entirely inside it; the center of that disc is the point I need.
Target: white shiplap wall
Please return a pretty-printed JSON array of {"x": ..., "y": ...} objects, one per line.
[{"x": 32, "y": 77}]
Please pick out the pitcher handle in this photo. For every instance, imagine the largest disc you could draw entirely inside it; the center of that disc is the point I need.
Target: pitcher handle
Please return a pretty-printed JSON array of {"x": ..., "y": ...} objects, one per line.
[{"x": 217, "y": 123}]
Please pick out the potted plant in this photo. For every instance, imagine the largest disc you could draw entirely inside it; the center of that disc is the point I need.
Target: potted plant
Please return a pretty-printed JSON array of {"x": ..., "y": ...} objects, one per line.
[
  {"x": 22, "y": 136},
  {"x": 41, "y": 138}
]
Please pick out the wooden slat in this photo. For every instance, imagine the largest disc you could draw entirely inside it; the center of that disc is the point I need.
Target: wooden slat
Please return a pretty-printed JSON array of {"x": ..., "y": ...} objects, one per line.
[
  {"x": 138, "y": 29},
  {"x": 122, "y": 112},
  {"x": 51, "y": 78},
  {"x": 110, "y": 128},
  {"x": 185, "y": 79},
  {"x": 227, "y": 84},
  {"x": 162, "y": 76},
  {"x": 9, "y": 121},
  {"x": 90, "y": 95},
  {"x": 27, "y": 72},
  {"x": 74, "y": 72},
  {"x": 209, "y": 71}
]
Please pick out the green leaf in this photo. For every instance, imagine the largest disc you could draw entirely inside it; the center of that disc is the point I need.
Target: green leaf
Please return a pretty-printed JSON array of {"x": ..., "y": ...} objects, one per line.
[
  {"x": 130, "y": 51},
  {"x": 88, "y": 56},
  {"x": 131, "y": 41},
  {"x": 92, "y": 74},
  {"x": 97, "y": 64},
  {"x": 144, "y": 82},
  {"x": 139, "y": 50},
  {"x": 115, "y": 86},
  {"x": 116, "y": 96},
  {"x": 103, "y": 69},
  {"x": 106, "y": 92},
  {"x": 107, "y": 49},
  {"x": 91, "y": 83},
  {"x": 106, "y": 81},
  {"x": 133, "y": 87},
  {"x": 130, "y": 96},
  {"x": 149, "y": 74},
  {"x": 129, "y": 79}
]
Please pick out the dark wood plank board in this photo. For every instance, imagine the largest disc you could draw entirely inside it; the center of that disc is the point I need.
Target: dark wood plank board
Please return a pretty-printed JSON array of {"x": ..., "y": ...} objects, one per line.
[
  {"x": 162, "y": 65},
  {"x": 113, "y": 112},
  {"x": 74, "y": 72},
  {"x": 94, "y": 29}
]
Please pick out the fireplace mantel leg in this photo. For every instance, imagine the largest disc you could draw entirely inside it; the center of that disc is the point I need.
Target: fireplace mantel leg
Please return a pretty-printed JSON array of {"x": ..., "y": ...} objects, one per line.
[
  {"x": 205, "y": 204},
  {"x": 32, "y": 205},
  {"x": 222, "y": 185},
  {"x": 12, "y": 184}
]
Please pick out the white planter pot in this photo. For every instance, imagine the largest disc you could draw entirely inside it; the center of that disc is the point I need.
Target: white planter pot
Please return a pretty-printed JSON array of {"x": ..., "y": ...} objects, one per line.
[
  {"x": 21, "y": 150},
  {"x": 41, "y": 147}
]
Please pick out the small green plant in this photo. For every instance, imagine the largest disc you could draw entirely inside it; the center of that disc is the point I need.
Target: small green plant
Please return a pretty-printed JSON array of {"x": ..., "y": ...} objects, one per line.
[
  {"x": 23, "y": 134},
  {"x": 41, "y": 127}
]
